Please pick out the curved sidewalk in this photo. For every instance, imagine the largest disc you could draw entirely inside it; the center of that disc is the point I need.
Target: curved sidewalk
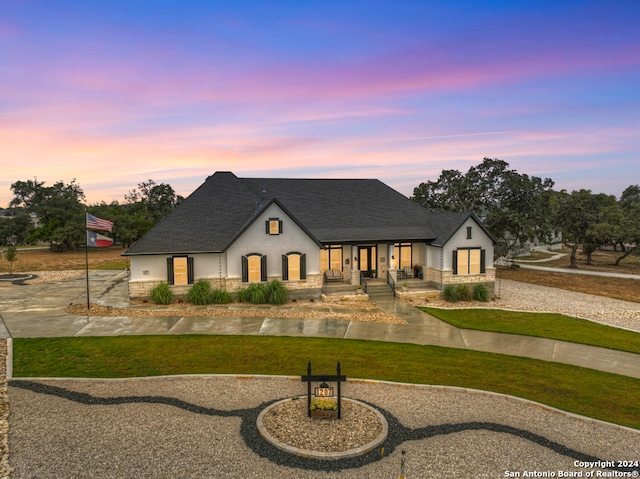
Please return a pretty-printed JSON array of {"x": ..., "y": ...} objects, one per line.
[
  {"x": 524, "y": 265},
  {"x": 38, "y": 311}
]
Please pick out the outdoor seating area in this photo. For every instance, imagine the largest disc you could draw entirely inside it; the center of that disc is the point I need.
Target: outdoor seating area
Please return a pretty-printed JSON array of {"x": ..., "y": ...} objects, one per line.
[
  {"x": 405, "y": 273},
  {"x": 333, "y": 275}
]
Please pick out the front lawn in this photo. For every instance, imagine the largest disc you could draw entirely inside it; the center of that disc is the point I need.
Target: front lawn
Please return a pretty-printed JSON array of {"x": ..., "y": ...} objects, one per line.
[
  {"x": 596, "y": 394},
  {"x": 543, "y": 325}
]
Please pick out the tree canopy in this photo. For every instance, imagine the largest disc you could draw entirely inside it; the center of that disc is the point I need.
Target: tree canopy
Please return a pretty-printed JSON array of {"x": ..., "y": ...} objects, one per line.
[
  {"x": 515, "y": 207},
  {"x": 59, "y": 209},
  {"x": 55, "y": 214}
]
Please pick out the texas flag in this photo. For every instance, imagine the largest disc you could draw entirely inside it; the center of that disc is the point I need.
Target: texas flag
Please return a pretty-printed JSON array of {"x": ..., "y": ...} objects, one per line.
[{"x": 95, "y": 239}]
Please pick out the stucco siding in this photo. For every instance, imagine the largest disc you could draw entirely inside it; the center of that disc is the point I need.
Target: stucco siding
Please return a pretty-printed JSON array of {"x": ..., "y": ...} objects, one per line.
[
  {"x": 148, "y": 268},
  {"x": 255, "y": 240},
  {"x": 459, "y": 240}
]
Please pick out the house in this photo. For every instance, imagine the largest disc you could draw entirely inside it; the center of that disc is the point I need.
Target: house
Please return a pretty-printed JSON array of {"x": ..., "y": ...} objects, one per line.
[{"x": 235, "y": 231}]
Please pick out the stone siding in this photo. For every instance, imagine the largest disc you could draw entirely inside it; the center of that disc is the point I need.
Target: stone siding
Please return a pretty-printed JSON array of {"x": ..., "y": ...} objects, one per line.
[
  {"x": 446, "y": 277},
  {"x": 297, "y": 289}
]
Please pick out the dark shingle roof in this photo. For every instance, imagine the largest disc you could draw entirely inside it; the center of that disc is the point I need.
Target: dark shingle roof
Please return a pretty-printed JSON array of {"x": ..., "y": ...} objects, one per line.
[
  {"x": 446, "y": 223},
  {"x": 330, "y": 210}
]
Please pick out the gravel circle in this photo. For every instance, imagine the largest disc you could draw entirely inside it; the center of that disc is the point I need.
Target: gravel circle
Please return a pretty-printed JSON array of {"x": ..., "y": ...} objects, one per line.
[{"x": 289, "y": 423}]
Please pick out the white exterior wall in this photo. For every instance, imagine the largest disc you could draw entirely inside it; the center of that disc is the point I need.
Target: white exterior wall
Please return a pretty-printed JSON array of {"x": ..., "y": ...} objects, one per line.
[
  {"x": 209, "y": 265},
  {"x": 148, "y": 268},
  {"x": 154, "y": 267},
  {"x": 255, "y": 240},
  {"x": 435, "y": 258},
  {"x": 459, "y": 240}
]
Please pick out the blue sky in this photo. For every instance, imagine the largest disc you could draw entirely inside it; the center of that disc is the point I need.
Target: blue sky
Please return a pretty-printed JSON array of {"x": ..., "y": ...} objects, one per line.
[{"x": 115, "y": 93}]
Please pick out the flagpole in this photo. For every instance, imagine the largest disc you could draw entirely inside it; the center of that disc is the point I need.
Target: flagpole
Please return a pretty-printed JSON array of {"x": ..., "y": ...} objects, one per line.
[
  {"x": 86, "y": 256},
  {"x": 94, "y": 223}
]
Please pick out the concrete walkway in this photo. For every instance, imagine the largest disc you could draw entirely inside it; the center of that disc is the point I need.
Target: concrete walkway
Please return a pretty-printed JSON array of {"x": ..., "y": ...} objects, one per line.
[
  {"x": 579, "y": 271},
  {"x": 535, "y": 264},
  {"x": 38, "y": 311}
]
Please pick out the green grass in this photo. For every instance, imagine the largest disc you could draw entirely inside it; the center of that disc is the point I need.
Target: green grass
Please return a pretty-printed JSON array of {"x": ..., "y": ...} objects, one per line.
[
  {"x": 596, "y": 394},
  {"x": 113, "y": 265},
  {"x": 544, "y": 325}
]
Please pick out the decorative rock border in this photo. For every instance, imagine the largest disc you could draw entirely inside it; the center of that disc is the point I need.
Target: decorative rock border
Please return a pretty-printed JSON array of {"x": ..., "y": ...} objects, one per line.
[
  {"x": 17, "y": 278},
  {"x": 356, "y": 451}
]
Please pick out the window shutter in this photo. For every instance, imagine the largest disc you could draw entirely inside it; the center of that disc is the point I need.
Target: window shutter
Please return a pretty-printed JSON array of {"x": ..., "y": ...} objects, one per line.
[
  {"x": 280, "y": 227},
  {"x": 303, "y": 266},
  {"x": 266, "y": 227},
  {"x": 263, "y": 268},
  {"x": 245, "y": 269},
  {"x": 454, "y": 262},
  {"x": 170, "y": 270},
  {"x": 285, "y": 267},
  {"x": 483, "y": 269},
  {"x": 190, "y": 278}
]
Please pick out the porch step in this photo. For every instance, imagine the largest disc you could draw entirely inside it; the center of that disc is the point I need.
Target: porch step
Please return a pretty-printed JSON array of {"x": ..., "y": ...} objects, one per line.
[{"x": 379, "y": 289}]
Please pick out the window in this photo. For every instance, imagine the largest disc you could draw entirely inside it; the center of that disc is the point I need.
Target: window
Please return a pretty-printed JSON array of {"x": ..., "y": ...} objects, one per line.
[
  {"x": 331, "y": 258},
  {"x": 180, "y": 270},
  {"x": 273, "y": 226},
  {"x": 468, "y": 232},
  {"x": 469, "y": 261},
  {"x": 402, "y": 255},
  {"x": 294, "y": 266},
  {"x": 254, "y": 268}
]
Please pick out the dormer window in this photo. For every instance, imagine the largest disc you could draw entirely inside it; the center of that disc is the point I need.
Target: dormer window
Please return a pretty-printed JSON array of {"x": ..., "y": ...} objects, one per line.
[{"x": 273, "y": 226}]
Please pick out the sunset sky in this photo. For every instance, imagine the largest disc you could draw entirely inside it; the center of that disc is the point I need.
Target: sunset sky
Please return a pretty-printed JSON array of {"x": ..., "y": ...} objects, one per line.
[{"x": 113, "y": 93}]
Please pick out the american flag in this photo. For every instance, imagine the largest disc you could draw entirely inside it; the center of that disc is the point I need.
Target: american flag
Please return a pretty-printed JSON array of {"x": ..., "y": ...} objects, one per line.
[{"x": 94, "y": 223}]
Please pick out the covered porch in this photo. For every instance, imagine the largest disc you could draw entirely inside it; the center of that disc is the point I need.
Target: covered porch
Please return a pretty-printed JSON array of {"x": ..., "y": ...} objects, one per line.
[{"x": 392, "y": 267}]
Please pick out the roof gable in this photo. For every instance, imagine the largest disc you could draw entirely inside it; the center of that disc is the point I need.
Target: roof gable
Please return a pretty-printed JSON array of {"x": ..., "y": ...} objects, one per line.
[{"x": 446, "y": 224}]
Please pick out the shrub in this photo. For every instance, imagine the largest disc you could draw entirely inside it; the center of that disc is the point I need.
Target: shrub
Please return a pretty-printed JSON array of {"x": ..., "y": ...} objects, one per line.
[
  {"x": 276, "y": 292},
  {"x": 449, "y": 293},
  {"x": 242, "y": 296},
  {"x": 220, "y": 297},
  {"x": 480, "y": 293},
  {"x": 255, "y": 294},
  {"x": 200, "y": 292},
  {"x": 273, "y": 292},
  {"x": 162, "y": 294},
  {"x": 323, "y": 405},
  {"x": 464, "y": 293}
]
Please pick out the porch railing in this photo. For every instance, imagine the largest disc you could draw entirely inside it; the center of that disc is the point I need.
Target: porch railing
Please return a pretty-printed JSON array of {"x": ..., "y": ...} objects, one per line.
[
  {"x": 391, "y": 282},
  {"x": 363, "y": 282}
]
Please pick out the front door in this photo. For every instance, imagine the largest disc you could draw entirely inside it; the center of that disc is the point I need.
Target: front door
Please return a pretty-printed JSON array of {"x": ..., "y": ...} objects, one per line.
[{"x": 367, "y": 255}]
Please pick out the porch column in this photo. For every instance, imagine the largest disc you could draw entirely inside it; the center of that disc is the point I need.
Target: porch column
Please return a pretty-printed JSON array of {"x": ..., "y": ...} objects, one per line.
[
  {"x": 390, "y": 256},
  {"x": 393, "y": 272},
  {"x": 355, "y": 265}
]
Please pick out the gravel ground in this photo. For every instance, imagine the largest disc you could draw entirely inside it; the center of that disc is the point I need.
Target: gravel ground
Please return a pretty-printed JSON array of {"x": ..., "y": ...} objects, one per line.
[
  {"x": 204, "y": 427},
  {"x": 4, "y": 413},
  {"x": 49, "y": 277},
  {"x": 348, "y": 311}
]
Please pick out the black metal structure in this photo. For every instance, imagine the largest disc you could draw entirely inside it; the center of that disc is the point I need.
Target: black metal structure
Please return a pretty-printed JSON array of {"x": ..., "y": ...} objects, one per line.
[{"x": 309, "y": 378}]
